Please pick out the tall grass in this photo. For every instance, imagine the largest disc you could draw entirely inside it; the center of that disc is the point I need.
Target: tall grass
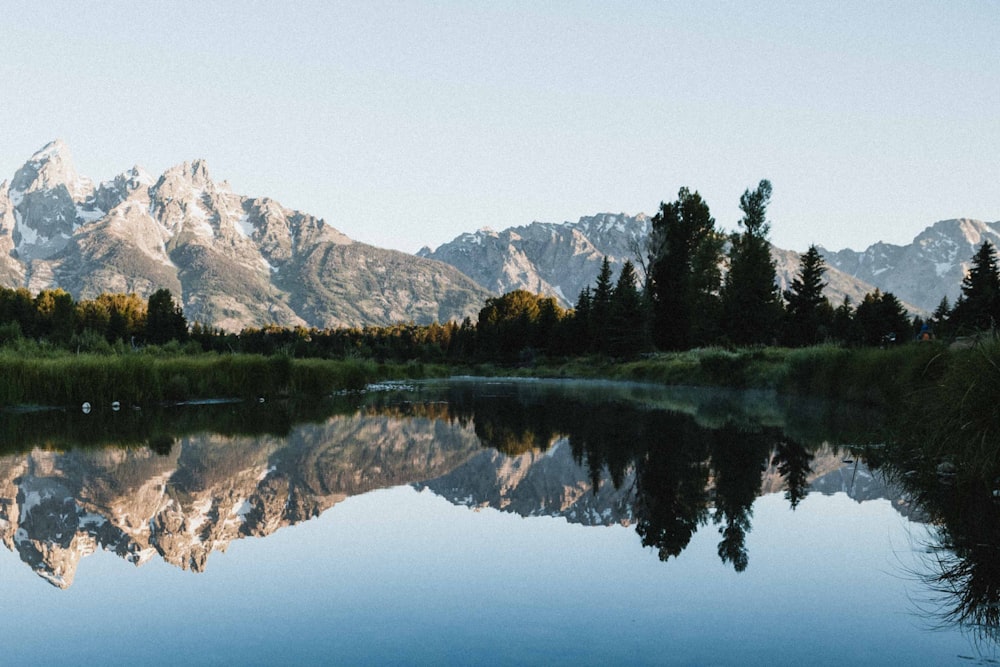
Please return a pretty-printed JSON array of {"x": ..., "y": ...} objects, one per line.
[
  {"x": 135, "y": 378},
  {"x": 956, "y": 414}
]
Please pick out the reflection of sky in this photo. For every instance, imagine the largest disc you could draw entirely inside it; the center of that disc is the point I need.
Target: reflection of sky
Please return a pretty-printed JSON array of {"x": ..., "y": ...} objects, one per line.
[{"x": 401, "y": 576}]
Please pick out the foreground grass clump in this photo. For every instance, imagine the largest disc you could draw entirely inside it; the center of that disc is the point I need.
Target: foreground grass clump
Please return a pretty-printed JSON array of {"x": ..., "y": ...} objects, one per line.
[
  {"x": 868, "y": 376},
  {"x": 136, "y": 378},
  {"x": 955, "y": 415}
]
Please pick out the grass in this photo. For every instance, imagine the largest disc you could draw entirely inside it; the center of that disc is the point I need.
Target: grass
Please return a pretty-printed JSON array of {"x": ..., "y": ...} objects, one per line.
[{"x": 139, "y": 378}]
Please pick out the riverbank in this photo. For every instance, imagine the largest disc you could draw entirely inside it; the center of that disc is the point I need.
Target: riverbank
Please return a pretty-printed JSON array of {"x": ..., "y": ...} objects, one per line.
[
  {"x": 138, "y": 378},
  {"x": 871, "y": 377}
]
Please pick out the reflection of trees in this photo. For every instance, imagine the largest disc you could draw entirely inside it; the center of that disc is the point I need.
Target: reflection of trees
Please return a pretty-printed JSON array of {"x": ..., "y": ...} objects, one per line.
[
  {"x": 963, "y": 574},
  {"x": 686, "y": 467},
  {"x": 682, "y": 467},
  {"x": 967, "y": 572},
  {"x": 671, "y": 481},
  {"x": 739, "y": 456},
  {"x": 793, "y": 462}
]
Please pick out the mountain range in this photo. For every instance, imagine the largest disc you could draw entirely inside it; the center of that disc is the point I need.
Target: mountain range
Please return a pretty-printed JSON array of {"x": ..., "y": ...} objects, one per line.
[
  {"x": 231, "y": 260},
  {"x": 235, "y": 261},
  {"x": 561, "y": 259}
]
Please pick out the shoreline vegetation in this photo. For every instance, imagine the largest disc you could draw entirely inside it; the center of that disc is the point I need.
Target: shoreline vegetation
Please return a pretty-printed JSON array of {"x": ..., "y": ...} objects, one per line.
[
  {"x": 938, "y": 402},
  {"x": 870, "y": 377}
]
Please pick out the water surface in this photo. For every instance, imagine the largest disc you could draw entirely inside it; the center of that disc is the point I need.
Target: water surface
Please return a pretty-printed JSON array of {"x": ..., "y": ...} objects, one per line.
[{"x": 470, "y": 522}]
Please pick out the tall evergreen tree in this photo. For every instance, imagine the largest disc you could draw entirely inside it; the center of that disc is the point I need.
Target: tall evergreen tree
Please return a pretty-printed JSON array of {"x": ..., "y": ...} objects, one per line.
[
  {"x": 683, "y": 282},
  {"x": 843, "y": 326},
  {"x": 600, "y": 312},
  {"x": 627, "y": 314},
  {"x": 751, "y": 302},
  {"x": 940, "y": 322},
  {"x": 581, "y": 325},
  {"x": 978, "y": 307},
  {"x": 808, "y": 314}
]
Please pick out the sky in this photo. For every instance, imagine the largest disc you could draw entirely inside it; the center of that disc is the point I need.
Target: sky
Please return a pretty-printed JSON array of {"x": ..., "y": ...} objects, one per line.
[{"x": 405, "y": 124}]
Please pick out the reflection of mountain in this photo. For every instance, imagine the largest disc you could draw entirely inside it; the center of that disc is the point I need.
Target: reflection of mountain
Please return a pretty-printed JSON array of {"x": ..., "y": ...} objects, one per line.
[
  {"x": 57, "y": 507},
  {"x": 536, "y": 483},
  {"x": 521, "y": 450},
  {"x": 861, "y": 484}
]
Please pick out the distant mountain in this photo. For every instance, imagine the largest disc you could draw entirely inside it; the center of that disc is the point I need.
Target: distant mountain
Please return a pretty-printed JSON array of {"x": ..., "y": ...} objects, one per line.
[
  {"x": 232, "y": 261},
  {"x": 560, "y": 259},
  {"x": 922, "y": 272},
  {"x": 544, "y": 257}
]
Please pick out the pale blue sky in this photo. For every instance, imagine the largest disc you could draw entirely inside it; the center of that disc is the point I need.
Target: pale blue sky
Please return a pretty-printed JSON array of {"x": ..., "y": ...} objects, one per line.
[{"x": 405, "y": 123}]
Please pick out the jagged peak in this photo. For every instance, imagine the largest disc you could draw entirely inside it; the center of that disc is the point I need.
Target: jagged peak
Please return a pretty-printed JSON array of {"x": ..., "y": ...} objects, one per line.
[
  {"x": 968, "y": 229},
  {"x": 54, "y": 150},
  {"x": 50, "y": 167},
  {"x": 194, "y": 172},
  {"x": 138, "y": 175}
]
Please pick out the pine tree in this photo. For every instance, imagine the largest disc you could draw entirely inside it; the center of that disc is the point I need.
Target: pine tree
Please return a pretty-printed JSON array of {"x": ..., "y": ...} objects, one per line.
[
  {"x": 581, "y": 324},
  {"x": 808, "y": 314},
  {"x": 940, "y": 321},
  {"x": 684, "y": 278},
  {"x": 843, "y": 327},
  {"x": 751, "y": 303},
  {"x": 627, "y": 314},
  {"x": 600, "y": 314},
  {"x": 978, "y": 307}
]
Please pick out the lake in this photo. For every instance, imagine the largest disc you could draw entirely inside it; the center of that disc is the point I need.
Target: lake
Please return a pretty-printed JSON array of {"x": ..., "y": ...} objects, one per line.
[{"x": 486, "y": 522}]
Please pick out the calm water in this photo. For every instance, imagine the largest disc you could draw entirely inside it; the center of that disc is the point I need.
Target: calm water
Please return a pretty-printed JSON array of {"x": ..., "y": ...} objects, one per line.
[{"x": 471, "y": 523}]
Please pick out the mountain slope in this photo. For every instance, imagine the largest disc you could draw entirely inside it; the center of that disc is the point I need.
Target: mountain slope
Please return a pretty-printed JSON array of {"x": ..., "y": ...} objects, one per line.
[{"x": 232, "y": 261}]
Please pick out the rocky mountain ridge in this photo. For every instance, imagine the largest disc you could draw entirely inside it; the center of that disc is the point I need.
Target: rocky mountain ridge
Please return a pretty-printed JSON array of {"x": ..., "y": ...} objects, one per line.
[
  {"x": 546, "y": 258},
  {"x": 924, "y": 271},
  {"x": 560, "y": 259},
  {"x": 232, "y": 261}
]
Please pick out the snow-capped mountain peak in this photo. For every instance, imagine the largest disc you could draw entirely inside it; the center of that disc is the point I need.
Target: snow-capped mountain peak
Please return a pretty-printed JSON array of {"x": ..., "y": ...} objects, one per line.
[
  {"x": 233, "y": 261},
  {"x": 47, "y": 169}
]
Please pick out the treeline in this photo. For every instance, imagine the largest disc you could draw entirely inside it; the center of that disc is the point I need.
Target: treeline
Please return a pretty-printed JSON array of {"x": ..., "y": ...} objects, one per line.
[
  {"x": 92, "y": 325},
  {"x": 699, "y": 287}
]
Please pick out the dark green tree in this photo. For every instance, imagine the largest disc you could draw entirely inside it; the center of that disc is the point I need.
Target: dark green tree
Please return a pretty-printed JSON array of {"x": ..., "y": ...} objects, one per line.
[
  {"x": 164, "y": 319},
  {"x": 600, "y": 312},
  {"x": 808, "y": 315},
  {"x": 881, "y": 320},
  {"x": 685, "y": 251},
  {"x": 580, "y": 324},
  {"x": 751, "y": 302},
  {"x": 628, "y": 326},
  {"x": 843, "y": 326},
  {"x": 940, "y": 321},
  {"x": 978, "y": 307}
]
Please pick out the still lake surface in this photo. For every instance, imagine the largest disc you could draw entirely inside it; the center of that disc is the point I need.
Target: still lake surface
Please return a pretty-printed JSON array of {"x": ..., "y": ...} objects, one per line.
[{"x": 471, "y": 522}]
